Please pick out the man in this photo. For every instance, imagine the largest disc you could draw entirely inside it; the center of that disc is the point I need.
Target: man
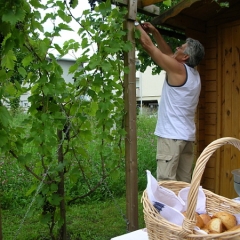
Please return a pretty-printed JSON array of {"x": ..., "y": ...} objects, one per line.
[{"x": 180, "y": 94}]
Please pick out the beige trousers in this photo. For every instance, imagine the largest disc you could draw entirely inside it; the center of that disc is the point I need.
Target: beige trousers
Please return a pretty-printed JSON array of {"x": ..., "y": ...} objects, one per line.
[{"x": 174, "y": 159}]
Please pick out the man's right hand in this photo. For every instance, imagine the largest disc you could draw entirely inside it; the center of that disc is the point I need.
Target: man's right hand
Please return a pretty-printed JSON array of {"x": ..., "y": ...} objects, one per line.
[{"x": 148, "y": 27}]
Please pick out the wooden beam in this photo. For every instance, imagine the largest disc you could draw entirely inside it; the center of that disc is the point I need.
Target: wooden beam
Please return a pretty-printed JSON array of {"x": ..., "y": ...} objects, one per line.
[
  {"x": 140, "y": 8},
  {"x": 172, "y": 33},
  {"x": 130, "y": 121},
  {"x": 125, "y": 3},
  {"x": 150, "y": 2},
  {"x": 173, "y": 11},
  {"x": 132, "y": 10},
  {"x": 153, "y": 9},
  {"x": 181, "y": 22}
]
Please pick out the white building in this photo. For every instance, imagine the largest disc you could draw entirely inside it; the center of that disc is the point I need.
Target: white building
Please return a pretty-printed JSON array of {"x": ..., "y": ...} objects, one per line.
[{"x": 149, "y": 88}]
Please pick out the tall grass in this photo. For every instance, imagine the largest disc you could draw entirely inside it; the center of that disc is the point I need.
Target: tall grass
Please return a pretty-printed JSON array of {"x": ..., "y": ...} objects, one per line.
[{"x": 99, "y": 217}]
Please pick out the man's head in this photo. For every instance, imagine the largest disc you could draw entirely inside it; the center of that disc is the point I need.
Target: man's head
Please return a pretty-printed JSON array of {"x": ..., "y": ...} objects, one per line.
[{"x": 195, "y": 50}]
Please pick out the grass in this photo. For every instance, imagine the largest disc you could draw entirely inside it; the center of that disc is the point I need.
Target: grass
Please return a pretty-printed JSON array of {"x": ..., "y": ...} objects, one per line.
[{"x": 92, "y": 221}]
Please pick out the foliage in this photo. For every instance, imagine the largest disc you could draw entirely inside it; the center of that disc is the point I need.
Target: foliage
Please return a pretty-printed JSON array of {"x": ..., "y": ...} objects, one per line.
[
  {"x": 51, "y": 143},
  {"x": 15, "y": 181},
  {"x": 84, "y": 215}
]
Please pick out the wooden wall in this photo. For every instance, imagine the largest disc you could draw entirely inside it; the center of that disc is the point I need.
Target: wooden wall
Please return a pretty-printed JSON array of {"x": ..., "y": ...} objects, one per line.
[
  {"x": 207, "y": 108},
  {"x": 218, "y": 112},
  {"x": 229, "y": 100}
]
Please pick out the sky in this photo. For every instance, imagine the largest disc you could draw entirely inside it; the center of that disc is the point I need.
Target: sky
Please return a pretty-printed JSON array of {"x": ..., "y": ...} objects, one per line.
[{"x": 67, "y": 35}]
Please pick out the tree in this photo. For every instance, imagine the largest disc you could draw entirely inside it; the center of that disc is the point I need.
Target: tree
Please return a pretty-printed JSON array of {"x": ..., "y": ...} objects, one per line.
[{"x": 53, "y": 141}]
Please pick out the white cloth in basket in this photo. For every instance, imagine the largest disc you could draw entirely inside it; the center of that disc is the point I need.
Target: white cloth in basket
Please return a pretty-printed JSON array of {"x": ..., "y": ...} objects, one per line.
[
  {"x": 169, "y": 205},
  {"x": 161, "y": 194},
  {"x": 201, "y": 200}
]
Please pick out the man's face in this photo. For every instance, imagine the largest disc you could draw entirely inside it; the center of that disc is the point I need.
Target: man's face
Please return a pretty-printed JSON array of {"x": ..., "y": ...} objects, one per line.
[{"x": 179, "y": 54}]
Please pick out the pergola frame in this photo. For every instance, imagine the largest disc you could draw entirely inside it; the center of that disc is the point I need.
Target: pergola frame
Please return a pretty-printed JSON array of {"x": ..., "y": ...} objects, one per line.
[{"x": 131, "y": 112}]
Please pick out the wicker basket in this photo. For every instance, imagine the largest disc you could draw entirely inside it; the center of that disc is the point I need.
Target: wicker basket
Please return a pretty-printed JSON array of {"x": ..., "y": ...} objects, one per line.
[{"x": 160, "y": 229}]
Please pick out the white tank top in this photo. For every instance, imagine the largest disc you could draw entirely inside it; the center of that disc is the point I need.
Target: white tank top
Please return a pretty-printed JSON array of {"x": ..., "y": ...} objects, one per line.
[{"x": 177, "y": 108}]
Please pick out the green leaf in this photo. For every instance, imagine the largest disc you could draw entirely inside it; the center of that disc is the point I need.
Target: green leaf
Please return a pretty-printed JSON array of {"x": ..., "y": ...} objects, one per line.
[
  {"x": 36, "y": 4},
  {"x": 3, "y": 75},
  {"x": 10, "y": 89},
  {"x": 46, "y": 90},
  {"x": 84, "y": 43},
  {"x": 74, "y": 3},
  {"x": 37, "y": 25},
  {"x": 20, "y": 14},
  {"x": 32, "y": 189},
  {"x": 3, "y": 138},
  {"x": 46, "y": 218},
  {"x": 27, "y": 60},
  {"x": 106, "y": 66},
  {"x": 4, "y": 116},
  {"x": 6, "y": 38},
  {"x": 73, "y": 68},
  {"x": 13, "y": 17},
  {"x": 64, "y": 17},
  {"x": 224, "y": 4},
  {"x": 59, "y": 49},
  {"x": 8, "y": 60},
  {"x": 74, "y": 174},
  {"x": 22, "y": 72},
  {"x": 93, "y": 108},
  {"x": 167, "y": 2},
  {"x": 60, "y": 167},
  {"x": 44, "y": 46},
  {"x": 64, "y": 26},
  {"x": 54, "y": 187},
  {"x": 55, "y": 199}
]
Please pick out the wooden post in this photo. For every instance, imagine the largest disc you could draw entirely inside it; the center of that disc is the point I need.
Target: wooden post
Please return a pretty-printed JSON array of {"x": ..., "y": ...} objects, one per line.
[{"x": 130, "y": 122}]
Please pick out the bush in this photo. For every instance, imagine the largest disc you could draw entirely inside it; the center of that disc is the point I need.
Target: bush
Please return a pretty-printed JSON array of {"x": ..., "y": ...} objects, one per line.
[{"x": 15, "y": 181}]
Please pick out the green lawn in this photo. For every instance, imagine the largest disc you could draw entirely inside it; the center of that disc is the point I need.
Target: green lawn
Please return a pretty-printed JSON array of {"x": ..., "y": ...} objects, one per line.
[{"x": 93, "y": 221}]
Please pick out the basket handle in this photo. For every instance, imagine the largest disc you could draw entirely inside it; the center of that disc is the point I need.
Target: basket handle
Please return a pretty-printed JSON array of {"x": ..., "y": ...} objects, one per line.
[{"x": 199, "y": 169}]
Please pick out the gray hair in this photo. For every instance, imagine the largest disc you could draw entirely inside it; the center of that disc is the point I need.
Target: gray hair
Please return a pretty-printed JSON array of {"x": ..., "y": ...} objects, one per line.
[{"x": 195, "y": 51}]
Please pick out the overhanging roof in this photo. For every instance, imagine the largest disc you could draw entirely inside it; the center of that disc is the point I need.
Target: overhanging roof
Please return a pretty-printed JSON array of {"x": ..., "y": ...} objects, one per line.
[{"x": 193, "y": 14}]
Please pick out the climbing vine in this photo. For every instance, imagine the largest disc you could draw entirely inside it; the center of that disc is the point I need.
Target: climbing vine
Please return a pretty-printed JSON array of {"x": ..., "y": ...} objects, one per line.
[{"x": 64, "y": 119}]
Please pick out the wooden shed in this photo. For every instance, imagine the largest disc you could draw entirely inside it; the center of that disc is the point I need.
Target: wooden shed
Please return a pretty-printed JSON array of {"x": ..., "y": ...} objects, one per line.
[{"x": 218, "y": 115}]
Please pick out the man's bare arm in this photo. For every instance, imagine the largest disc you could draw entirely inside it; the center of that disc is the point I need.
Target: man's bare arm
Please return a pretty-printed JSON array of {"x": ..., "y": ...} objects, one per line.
[
  {"x": 161, "y": 43},
  {"x": 175, "y": 70}
]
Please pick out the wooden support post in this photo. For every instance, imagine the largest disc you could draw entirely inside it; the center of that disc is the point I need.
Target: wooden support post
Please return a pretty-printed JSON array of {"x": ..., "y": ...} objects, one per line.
[{"x": 130, "y": 122}]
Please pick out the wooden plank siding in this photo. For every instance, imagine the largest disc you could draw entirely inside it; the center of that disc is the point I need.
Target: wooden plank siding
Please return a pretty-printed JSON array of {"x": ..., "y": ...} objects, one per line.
[
  {"x": 208, "y": 100},
  {"x": 228, "y": 104},
  {"x": 221, "y": 105}
]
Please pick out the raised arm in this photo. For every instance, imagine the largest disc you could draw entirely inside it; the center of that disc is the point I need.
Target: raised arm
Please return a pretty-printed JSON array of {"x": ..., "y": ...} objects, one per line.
[
  {"x": 161, "y": 43},
  {"x": 163, "y": 56}
]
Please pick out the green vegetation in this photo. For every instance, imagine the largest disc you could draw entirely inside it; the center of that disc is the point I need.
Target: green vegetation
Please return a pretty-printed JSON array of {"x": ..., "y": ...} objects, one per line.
[
  {"x": 68, "y": 150},
  {"x": 99, "y": 216},
  {"x": 100, "y": 220},
  {"x": 71, "y": 141}
]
